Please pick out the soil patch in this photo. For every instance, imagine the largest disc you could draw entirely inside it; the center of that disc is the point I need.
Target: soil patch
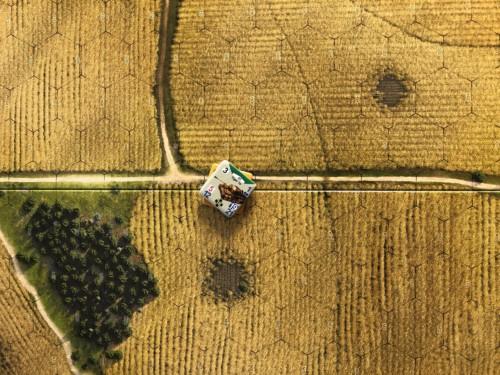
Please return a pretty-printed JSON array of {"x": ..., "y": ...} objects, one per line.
[
  {"x": 228, "y": 280},
  {"x": 390, "y": 90}
]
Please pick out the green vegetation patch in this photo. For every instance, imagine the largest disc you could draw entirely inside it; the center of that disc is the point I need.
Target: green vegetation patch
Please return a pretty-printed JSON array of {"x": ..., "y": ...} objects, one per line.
[
  {"x": 94, "y": 268},
  {"x": 478, "y": 176},
  {"x": 101, "y": 204}
]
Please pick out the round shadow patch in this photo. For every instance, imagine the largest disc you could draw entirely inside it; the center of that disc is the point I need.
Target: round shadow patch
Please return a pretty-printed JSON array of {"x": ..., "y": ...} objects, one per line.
[
  {"x": 390, "y": 90},
  {"x": 228, "y": 280}
]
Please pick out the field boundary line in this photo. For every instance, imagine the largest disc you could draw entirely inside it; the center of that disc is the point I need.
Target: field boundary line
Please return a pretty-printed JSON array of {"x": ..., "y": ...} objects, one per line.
[{"x": 181, "y": 177}]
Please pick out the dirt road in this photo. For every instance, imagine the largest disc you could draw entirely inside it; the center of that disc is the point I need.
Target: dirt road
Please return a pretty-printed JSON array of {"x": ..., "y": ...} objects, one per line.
[{"x": 26, "y": 285}]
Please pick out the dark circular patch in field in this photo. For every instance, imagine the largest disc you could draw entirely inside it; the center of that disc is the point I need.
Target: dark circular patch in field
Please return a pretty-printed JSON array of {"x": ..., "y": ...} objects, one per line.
[
  {"x": 228, "y": 280},
  {"x": 390, "y": 90}
]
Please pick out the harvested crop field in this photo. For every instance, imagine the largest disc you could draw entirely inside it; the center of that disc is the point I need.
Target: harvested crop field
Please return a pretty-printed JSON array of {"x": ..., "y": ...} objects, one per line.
[
  {"x": 342, "y": 283},
  {"x": 317, "y": 86},
  {"x": 76, "y": 86},
  {"x": 27, "y": 344}
]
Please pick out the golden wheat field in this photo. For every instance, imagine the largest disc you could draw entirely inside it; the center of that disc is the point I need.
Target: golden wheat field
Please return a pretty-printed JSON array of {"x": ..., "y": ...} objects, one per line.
[
  {"x": 27, "y": 344},
  {"x": 337, "y": 85},
  {"x": 344, "y": 283},
  {"x": 458, "y": 22},
  {"x": 76, "y": 85}
]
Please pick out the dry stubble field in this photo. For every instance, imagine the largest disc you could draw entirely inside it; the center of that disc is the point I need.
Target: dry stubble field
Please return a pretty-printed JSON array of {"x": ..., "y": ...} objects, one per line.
[
  {"x": 76, "y": 86},
  {"x": 27, "y": 344},
  {"x": 345, "y": 283},
  {"x": 311, "y": 86}
]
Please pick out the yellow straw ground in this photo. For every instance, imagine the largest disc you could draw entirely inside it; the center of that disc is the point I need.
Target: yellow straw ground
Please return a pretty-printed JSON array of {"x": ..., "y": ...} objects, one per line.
[
  {"x": 76, "y": 86},
  {"x": 27, "y": 344},
  {"x": 345, "y": 283},
  {"x": 292, "y": 86}
]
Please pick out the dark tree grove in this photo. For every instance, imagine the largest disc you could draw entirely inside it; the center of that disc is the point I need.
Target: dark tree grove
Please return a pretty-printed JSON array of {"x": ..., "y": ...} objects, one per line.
[
  {"x": 27, "y": 259},
  {"x": 478, "y": 176},
  {"x": 101, "y": 279},
  {"x": 27, "y": 206}
]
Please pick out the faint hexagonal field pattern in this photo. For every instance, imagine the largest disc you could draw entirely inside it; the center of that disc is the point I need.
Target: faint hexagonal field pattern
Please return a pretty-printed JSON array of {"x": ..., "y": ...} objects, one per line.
[
  {"x": 314, "y": 52},
  {"x": 318, "y": 60},
  {"x": 255, "y": 55},
  {"x": 133, "y": 104},
  {"x": 285, "y": 108},
  {"x": 486, "y": 91},
  {"x": 443, "y": 97},
  {"x": 288, "y": 271},
  {"x": 14, "y": 48},
  {"x": 278, "y": 359},
  {"x": 307, "y": 325},
  {"x": 213, "y": 53},
  {"x": 306, "y": 280},
  {"x": 33, "y": 30},
  {"x": 423, "y": 324},
  {"x": 106, "y": 60},
  {"x": 359, "y": 51},
  {"x": 57, "y": 61},
  {"x": 422, "y": 134},
  {"x": 81, "y": 23},
  {"x": 238, "y": 17},
  {"x": 393, "y": 294},
  {"x": 324, "y": 280},
  {"x": 468, "y": 329},
  {"x": 338, "y": 89},
  {"x": 255, "y": 324},
  {"x": 483, "y": 138},
  {"x": 131, "y": 21},
  {"x": 59, "y": 44},
  {"x": 224, "y": 112},
  {"x": 442, "y": 278},
  {"x": 425, "y": 59},
  {"x": 470, "y": 247}
]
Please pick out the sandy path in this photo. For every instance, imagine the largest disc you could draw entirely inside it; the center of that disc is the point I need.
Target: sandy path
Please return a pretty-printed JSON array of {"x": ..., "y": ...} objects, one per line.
[
  {"x": 179, "y": 177},
  {"x": 27, "y": 285}
]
